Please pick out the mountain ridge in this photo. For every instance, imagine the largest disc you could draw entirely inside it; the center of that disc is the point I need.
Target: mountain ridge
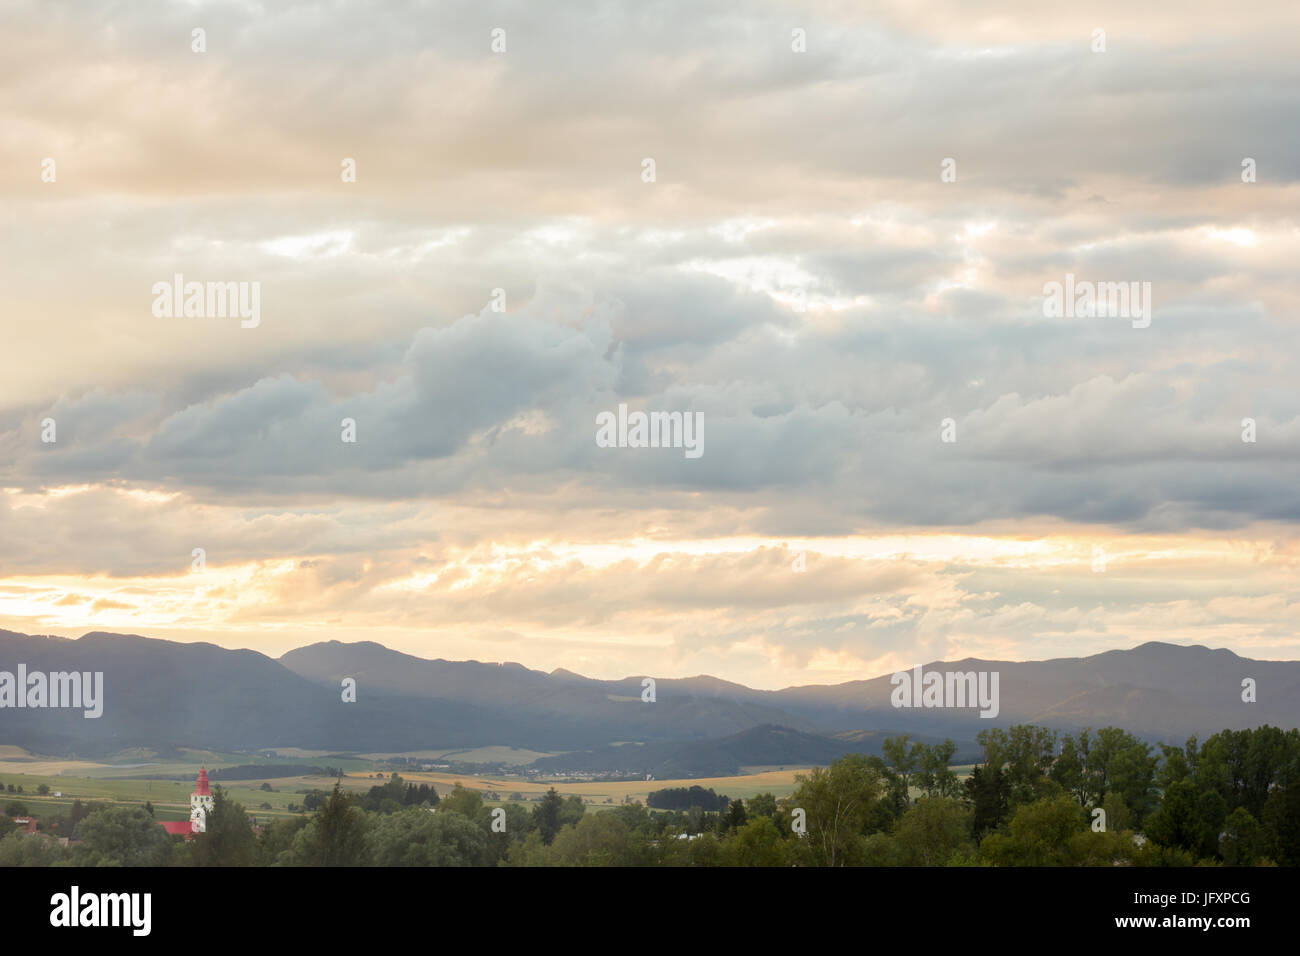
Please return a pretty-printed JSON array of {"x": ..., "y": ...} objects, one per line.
[{"x": 168, "y": 692}]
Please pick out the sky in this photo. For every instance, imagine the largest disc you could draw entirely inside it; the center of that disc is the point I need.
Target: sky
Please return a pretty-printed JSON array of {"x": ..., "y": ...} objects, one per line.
[{"x": 839, "y": 262}]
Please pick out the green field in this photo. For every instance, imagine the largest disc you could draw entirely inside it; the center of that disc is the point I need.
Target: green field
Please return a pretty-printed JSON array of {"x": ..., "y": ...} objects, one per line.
[{"x": 137, "y": 777}]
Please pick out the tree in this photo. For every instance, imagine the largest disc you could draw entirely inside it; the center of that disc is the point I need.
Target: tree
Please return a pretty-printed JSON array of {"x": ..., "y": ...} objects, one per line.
[
  {"x": 1242, "y": 841},
  {"x": 600, "y": 839},
  {"x": 43, "y": 789},
  {"x": 1122, "y": 763},
  {"x": 736, "y": 816},
  {"x": 572, "y": 810},
  {"x": 228, "y": 838},
  {"x": 1113, "y": 762},
  {"x": 1245, "y": 765},
  {"x": 1068, "y": 770},
  {"x": 756, "y": 843},
  {"x": 902, "y": 763},
  {"x": 934, "y": 776},
  {"x": 122, "y": 836},
  {"x": 989, "y": 794},
  {"x": 546, "y": 816},
  {"x": 20, "y": 850},
  {"x": 1178, "y": 764},
  {"x": 148, "y": 807},
  {"x": 416, "y": 837},
  {"x": 1031, "y": 751},
  {"x": 1039, "y": 834},
  {"x": 335, "y": 836},
  {"x": 762, "y": 805},
  {"x": 931, "y": 832},
  {"x": 1118, "y": 816},
  {"x": 468, "y": 803},
  {"x": 838, "y": 802},
  {"x": 1179, "y": 824},
  {"x": 1282, "y": 822},
  {"x": 276, "y": 842}
]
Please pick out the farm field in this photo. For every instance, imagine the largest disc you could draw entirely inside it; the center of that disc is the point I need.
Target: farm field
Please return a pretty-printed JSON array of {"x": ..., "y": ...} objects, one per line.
[
  {"x": 143, "y": 777},
  {"x": 515, "y": 756}
]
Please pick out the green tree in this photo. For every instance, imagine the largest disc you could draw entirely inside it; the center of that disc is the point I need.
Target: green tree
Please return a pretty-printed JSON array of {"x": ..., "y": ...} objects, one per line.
[
  {"x": 1031, "y": 752},
  {"x": 468, "y": 803},
  {"x": 934, "y": 776},
  {"x": 1281, "y": 819},
  {"x": 1178, "y": 764},
  {"x": 228, "y": 838},
  {"x": 122, "y": 836},
  {"x": 1068, "y": 771},
  {"x": 902, "y": 762},
  {"x": 736, "y": 816},
  {"x": 276, "y": 841},
  {"x": 572, "y": 811},
  {"x": 762, "y": 805},
  {"x": 546, "y": 816},
  {"x": 756, "y": 843},
  {"x": 1242, "y": 841},
  {"x": 1038, "y": 834},
  {"x": 417, "y": 837},
  {"x": 1118, "y": 816},
  {"x": 335, "y": 836},
  {"x": 989, "y": 794},
  {"x": 17, "y": 849},
  {"x": 1121, "y": 763},
  {"x": 838, "y": 802},
  {"x": 1244, "y": 766},
  {"x": 1179, "y": 824},
  {"x": 931, "y": 832},
  {"x": 600, "y": 839}
]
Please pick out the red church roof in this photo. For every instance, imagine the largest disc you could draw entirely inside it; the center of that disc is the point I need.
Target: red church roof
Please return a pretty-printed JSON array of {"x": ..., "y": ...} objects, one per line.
[
  {"x": 201, "y": 787},
  {"x": 183, "y": 827}
]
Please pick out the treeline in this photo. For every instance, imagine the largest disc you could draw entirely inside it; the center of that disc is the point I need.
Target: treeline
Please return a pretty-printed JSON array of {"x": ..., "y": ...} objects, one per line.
[
  {"x": 1038, "y": 798},
  {"x": 684, "y": 798},
  {"x": 260, "y": 771}
]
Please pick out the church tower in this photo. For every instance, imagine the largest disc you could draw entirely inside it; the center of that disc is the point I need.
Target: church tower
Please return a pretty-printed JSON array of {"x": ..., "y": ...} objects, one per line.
[{"x": 200, "y": 802}]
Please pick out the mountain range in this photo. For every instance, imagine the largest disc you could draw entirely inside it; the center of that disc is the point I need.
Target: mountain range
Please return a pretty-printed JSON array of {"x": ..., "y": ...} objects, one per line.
[{"x": 163, "y": 694}]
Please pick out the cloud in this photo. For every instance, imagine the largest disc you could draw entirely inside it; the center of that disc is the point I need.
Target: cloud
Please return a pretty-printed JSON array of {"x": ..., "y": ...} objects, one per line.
[{"x": 798, "y": 273}]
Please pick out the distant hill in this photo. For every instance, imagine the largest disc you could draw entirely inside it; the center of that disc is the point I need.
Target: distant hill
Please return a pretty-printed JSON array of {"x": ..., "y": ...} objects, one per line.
[
  {"x": 764, "y": 746},
  {"x": 163, "y": 694},
  {"x": 1157, "y": 690}
]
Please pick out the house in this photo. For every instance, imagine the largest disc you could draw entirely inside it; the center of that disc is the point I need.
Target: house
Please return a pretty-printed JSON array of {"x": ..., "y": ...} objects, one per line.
[{"x": 25, "y": 824}]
